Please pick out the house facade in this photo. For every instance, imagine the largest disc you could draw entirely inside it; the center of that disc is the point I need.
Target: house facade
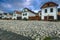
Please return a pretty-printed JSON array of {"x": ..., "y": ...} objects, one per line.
[
  {"x": 17, "y": 15},
  {"x": 49, "y": 11},
  {"x": 9, "y": 16},
  {"x": 28, "y": 14}
]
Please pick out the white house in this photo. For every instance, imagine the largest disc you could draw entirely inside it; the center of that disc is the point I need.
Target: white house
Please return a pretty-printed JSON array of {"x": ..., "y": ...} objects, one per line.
[
  {"x": 28, "y": 14},
  {"x": 17, "y": 15},
  {"x": 9, "y": 16},
  {"x": 49, "y": 11},
  {"x": 6, "y": 16}
]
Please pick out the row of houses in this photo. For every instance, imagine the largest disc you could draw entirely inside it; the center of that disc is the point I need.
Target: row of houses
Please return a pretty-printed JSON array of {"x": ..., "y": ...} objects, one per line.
[
  {"x": 5, "y": 15},
  {"x": 49, "y": 11},
  {"x": 18, "y": 15}
]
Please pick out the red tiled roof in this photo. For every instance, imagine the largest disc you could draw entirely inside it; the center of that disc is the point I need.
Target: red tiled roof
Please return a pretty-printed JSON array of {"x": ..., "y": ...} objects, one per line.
[
  {"x": 17, "y": 12},
  {"x": 49, "y": 4}
]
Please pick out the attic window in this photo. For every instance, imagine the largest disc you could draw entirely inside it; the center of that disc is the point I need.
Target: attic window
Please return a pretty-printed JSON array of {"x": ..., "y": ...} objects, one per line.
[
  {"x": 45, "y": 10},
  {"x": 51, "y": 10}
]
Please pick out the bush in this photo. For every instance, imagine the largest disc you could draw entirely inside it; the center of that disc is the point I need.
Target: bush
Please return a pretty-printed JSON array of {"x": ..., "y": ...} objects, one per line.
[
  {"x": 47, "y": 38},
  {"x": 25, "y": 19}
]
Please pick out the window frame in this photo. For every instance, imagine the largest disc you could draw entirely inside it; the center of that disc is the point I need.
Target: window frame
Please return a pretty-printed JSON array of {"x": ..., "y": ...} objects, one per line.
[
  {"x": 24, "y": 14},
  {"x": 51, "y": 9},
  {"x": 45, "y": 10}
]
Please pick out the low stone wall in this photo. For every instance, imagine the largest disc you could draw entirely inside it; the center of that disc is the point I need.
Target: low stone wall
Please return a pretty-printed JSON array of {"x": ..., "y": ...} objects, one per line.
[{"x": 35, "y": 29}]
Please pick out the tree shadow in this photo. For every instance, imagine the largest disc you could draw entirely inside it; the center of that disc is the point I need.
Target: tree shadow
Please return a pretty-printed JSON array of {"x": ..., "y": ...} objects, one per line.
[{"x": 7, "y": 35}]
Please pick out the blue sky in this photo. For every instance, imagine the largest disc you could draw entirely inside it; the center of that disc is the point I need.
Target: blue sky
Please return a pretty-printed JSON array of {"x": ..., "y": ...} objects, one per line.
[{"x": 11, "y": 5}]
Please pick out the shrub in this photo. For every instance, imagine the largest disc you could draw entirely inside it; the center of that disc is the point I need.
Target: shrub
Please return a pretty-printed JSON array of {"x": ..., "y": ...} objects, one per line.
[
  {"x": 25, "y": 19},
  {"x": 47, "y": 38}
]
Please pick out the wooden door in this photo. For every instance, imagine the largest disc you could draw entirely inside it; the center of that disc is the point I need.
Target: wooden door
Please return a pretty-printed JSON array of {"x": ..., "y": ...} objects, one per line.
[
  {"x": 45, "y": 18},
  {"x": 51, "y": 18}
]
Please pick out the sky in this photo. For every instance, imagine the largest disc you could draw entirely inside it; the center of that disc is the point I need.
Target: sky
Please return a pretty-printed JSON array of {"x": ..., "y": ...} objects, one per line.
[{"x": 11, "y": 5}]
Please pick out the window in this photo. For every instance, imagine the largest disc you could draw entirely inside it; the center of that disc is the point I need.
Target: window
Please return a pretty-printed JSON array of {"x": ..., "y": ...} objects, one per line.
[
  {"x": 25, "y": 14},
  {"x": 51, "y": 10},
  {"x": 45, "y": 10},
  {"x": 14, "y": 15}
]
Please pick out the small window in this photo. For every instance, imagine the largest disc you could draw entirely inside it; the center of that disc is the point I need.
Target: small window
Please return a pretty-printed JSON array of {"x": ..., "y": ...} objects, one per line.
[
  {"x": 45, "y": 10},
  {"x": 51, "y": 10},
  {"x": 25, "y": 14}
]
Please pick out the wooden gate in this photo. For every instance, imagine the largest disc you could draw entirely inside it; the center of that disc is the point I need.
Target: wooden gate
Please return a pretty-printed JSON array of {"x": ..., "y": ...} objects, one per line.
[
  {"x": 35, "y": 18},
  {"x": 19, "y": 18}
]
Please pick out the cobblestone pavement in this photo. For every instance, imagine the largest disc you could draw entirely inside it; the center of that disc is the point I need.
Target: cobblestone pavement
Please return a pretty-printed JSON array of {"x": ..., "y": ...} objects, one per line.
[{"x": 33, "y": 29}]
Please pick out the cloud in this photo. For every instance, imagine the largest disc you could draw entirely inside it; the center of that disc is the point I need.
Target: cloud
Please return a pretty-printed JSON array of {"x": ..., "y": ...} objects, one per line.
[
  {"x": 32, "y": 4},
  {"x": 36, "y": 11},
  {"x": 27, "y": 2},
  {"x": 9, "y": 6},
  {"x": 6, "y": 5},
  {"x": 20, "y": 4}
]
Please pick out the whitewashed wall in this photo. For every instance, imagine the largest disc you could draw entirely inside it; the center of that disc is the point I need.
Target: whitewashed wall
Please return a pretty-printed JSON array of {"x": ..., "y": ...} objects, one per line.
[{"x": 31, "y": 14}]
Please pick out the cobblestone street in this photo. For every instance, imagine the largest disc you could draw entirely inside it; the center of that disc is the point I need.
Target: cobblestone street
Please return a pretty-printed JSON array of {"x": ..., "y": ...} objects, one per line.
[{"x": 33, "y": 29}]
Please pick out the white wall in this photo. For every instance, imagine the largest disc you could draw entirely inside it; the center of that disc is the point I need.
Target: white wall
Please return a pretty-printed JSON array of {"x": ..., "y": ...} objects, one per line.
[
  {"x": 54, "y": 13},
  {"x": 25, "y": 16},
  {"x": 14, "y": 16},
  {"x": 39, "y": 13},
  {"x": 31, "y": 14}
]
